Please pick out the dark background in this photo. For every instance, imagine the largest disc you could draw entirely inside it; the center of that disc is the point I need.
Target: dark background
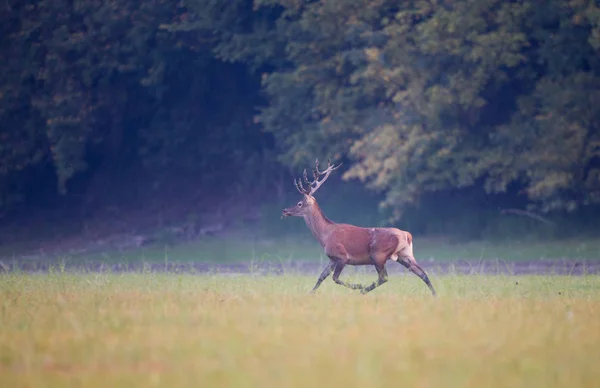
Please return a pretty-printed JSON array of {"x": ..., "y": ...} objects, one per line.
[{"x": 164, "y": 122}]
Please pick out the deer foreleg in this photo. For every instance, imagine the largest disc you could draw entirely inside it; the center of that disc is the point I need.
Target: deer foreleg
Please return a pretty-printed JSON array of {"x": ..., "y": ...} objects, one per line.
[
  {"x": 323, "y": 276},
  {"x": 336, "y": 278},
  {"x": 382, "y": 272}
]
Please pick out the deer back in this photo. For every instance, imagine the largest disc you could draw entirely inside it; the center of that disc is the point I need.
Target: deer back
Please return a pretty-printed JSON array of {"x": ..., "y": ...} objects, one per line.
[{"x": 361, "y": 245}]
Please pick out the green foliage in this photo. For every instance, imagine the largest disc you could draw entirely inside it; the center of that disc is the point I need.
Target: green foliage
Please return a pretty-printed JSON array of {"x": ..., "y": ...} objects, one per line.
[
  {"x": 118, "y": 79},
  {"x": 237, "y": 31},
  {"x": 66, "y": 84},
  {"x": 417, "y": 97},
  {"x": 431, "y": 96},
  {"x": 555, "y": 143}
]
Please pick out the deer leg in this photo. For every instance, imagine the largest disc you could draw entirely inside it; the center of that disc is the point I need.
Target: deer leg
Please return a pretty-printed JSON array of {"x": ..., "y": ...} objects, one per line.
[
  {"x": 420, "y": 272},
  {"x": 382, "y": 272},
  {"x": 323, "y": 276},
  {"x": 336, "y": 277}
]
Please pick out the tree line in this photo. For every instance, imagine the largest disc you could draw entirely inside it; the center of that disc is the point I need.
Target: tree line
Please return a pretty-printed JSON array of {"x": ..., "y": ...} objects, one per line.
[{"x": 415, "y": 96}]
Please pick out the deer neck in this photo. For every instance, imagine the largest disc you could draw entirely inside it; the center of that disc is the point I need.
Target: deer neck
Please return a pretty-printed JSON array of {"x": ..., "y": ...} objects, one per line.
[{"x": 318, "y": 223}]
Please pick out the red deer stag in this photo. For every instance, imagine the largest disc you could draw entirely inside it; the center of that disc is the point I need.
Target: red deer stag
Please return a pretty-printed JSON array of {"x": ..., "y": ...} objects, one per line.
[{"x": 352, "y": 245}]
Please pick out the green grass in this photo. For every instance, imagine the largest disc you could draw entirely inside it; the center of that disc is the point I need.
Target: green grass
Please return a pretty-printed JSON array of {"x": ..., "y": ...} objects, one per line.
[
  {"x": 471, "y": 233},
  {"x": 213, "y": 249},
  {"x": 303, "y": 247},
  {"x": 145, "y": 330},
  {"x": 510, "y": 250}
]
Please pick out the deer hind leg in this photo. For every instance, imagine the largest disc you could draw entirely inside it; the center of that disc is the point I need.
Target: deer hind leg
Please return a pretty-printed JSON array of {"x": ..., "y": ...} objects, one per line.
[
  {"x": 323, "y": 276},
  {"x": 336, "y": 277},
  {"x": 410, "y": 263},
  {"x": 382, "y": 273}
]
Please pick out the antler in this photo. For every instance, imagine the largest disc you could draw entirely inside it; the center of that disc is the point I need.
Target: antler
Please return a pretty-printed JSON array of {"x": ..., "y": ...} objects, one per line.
[{"x": 316, "y": 183}]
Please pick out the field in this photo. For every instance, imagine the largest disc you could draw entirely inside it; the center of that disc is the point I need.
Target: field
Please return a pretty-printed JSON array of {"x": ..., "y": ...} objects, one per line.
[{"x": 62, "y": 329}]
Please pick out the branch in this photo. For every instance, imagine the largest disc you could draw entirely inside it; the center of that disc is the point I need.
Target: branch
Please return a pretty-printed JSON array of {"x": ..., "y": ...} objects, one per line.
[{"x": 526, "y": 213}]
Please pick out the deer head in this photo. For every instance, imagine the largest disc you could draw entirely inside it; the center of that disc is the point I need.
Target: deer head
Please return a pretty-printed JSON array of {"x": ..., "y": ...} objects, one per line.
[{"x": 304, "y": 205}]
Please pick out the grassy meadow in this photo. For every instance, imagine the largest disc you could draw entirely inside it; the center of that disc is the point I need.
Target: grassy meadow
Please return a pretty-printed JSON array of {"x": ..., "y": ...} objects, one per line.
[
  {"x": 303, "y": 247},
  {"x": 147, "y": 329}
]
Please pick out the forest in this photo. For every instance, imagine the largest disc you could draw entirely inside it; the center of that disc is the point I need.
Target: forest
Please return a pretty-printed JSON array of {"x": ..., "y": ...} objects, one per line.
[{"x": 440, "y": 109}]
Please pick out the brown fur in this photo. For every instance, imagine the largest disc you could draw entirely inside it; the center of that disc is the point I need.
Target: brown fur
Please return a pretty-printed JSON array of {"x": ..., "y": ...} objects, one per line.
[
  {"x": 353, "y": 244},
  {"x": 346, "y": 244}
]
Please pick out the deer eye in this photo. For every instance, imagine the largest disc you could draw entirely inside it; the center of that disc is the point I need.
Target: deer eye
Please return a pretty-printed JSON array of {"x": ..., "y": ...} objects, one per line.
[{"x": 299, "y": 204}]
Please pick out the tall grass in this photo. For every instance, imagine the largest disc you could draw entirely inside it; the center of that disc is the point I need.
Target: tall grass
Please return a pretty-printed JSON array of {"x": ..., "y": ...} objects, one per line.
[{"x": 145, "y": 330}]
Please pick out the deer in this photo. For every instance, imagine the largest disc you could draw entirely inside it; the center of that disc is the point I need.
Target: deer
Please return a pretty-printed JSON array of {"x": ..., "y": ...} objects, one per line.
[{"x": 346, "y": 244}]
